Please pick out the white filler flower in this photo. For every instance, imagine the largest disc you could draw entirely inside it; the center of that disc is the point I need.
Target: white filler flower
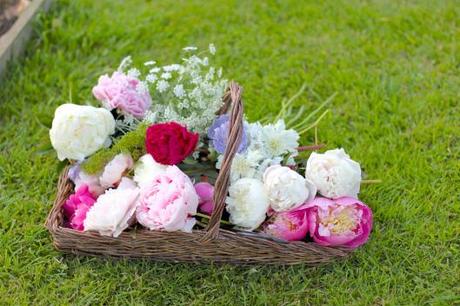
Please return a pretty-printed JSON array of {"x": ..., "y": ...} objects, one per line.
[
  {"x": 113, "y": 210},
  {"x": 247, "y": 203},
  {"x": 145, "y": 169},
  {"x": 79, "y": 130},
  {"x": 286, "y": 188},
  {"x": 334, "y": 174}
]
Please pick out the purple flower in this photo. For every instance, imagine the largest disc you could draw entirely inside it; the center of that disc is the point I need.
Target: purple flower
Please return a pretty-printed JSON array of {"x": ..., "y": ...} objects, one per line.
[{"x": 218, "y": 134}]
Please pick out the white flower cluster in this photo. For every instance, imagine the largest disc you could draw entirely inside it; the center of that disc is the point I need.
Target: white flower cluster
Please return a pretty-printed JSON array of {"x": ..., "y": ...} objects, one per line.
[
  {"x": 189, "y": 93},
  {"x": 268, "y": 145}
]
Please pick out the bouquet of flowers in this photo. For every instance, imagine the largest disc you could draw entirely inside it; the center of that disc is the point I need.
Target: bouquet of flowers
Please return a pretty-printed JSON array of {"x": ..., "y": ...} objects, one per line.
[{"x": 150, "y": 154}]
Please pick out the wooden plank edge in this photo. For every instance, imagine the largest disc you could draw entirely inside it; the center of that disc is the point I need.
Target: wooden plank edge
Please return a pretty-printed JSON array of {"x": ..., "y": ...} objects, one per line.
[{"x": 13, "y": 42}]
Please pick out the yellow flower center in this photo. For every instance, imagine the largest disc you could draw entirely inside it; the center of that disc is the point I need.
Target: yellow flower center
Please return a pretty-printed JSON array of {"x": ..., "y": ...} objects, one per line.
[{"x": 339, "y": 223}]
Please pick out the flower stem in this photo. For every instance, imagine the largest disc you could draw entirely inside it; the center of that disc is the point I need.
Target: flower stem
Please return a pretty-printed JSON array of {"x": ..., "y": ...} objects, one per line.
[
  {"x": 311, "y": 148},
  {"x": 371, "y": 181},
  {"x": 209, "y": 217}
]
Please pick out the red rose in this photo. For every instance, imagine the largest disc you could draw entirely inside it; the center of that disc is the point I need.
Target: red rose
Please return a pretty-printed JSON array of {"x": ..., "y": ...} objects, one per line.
[{"x": 170, "y": 143}]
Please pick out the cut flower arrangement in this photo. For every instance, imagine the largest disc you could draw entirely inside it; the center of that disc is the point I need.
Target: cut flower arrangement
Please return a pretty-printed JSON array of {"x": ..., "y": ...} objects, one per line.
[{"x": 167, "y": 167}]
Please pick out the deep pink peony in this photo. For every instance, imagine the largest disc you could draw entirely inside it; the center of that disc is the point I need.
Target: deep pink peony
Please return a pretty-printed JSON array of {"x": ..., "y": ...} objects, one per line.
[
  {"x": 340, "y": 222},
  {"x": 289, "y": 225},
  {"x": 168, "y": 202},
  {"x": 205, "y": 193},
  {"x": 170, "y": 143},
  {"x": 76, "y": 207},
  {"x": 124, "y": 93}
]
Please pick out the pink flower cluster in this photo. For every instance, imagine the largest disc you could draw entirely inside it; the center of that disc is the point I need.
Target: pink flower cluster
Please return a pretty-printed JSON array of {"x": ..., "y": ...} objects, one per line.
[
  {"x": 76, "y": 207},
  {"x": 124, "y": 93},
  {"x": 330, "y": 222}
]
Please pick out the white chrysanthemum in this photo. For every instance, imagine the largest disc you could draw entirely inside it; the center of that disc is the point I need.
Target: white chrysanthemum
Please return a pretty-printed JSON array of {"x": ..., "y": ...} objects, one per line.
[
  {"x": 113, "y": 210},
  {"x": 255, "y": 133},
  {"x": 247, "y": 203},
  {"x": 145, "y": 169},
  {"x": 79, "y": 130},
  {"x": 286, "y": 188},
  {"x": 277, "y": 140},
  {"x": 334, "y": 174},
  {"x": 243, "y": 165}
]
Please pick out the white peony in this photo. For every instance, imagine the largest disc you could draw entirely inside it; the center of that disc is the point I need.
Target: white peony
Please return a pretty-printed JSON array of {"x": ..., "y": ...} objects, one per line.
[
  {"x": 113, "y": 210},
  {"x": 334, "y": 174},
  {"x": 247, "y": 203},
  {"x": 115, "y": 169},
  {"x": 286, "y": 188},
  {"x": 79, "y": 130},
  {"x": 145, "y": 169}
]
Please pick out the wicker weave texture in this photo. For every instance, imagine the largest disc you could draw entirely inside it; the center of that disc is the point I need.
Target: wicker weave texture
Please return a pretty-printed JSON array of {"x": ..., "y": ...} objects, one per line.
[{"x": 201, "y": 246}]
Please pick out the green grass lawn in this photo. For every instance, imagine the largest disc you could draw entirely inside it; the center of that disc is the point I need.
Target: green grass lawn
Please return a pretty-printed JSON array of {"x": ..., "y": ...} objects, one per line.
[{"x": 395, "y": 68}]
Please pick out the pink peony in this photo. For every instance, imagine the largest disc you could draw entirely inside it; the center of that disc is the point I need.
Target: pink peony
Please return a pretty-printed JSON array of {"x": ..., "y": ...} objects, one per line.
[
  {"x": 124, "y": 93},
  {"x": 290, "y": 225},
  {"x": 76, "y": 207},
  {"x": 341, "y": 222},
  {"x": 168, "y": 202},
  {"x": 205, "y": 193},
  {"x": 114, "y": 170}
]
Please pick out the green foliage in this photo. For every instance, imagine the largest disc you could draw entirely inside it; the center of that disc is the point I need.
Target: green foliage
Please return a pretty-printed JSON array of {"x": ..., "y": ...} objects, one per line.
[
  {"x": 132, "y": 142},
  {"x": 394, "y": 67}
]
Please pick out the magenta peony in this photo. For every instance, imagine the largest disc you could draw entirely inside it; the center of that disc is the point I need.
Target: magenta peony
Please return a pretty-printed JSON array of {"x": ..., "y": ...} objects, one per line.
[
  {"x": 124, "y": 93},
  {"x": 76, "y": 207},
  {"x": 168, "y": 202},
  {"x": 205, "y": 193},
  {"x": 341, "y": 222},
  {"x": 288, "y": 225}
]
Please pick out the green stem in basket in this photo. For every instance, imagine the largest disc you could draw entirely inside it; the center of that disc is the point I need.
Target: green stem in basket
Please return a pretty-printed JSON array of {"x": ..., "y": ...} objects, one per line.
[{"x": 209, "y": 217}]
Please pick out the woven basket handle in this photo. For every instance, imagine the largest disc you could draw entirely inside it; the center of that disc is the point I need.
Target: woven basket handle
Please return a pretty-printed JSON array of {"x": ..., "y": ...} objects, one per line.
[{"x": 233, "y": 95}]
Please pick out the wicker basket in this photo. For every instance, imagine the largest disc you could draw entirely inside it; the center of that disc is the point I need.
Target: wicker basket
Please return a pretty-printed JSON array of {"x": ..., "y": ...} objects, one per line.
[{"x": 201, "y": 246}]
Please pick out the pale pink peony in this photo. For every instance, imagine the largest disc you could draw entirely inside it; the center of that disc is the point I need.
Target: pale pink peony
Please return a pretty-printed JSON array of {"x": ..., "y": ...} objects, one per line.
[
  {"x": 114, "y": 170},
  {"x": 76, "y": 207},
  {"x": 340, "y": 222},
  {"x": 113, "y": 211},
  {"x": 205, "y": 193},
  {"x": 289, "y": 225},
  {"x": 168, "y": 202},
  {"x": 124, "y": 93}
]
